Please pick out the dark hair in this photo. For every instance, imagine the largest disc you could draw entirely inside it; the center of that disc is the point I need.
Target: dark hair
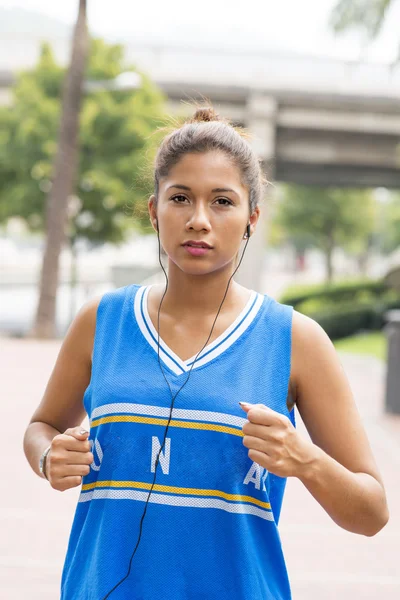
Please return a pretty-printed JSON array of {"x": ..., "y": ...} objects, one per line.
[{"x": 207, "y": 131}]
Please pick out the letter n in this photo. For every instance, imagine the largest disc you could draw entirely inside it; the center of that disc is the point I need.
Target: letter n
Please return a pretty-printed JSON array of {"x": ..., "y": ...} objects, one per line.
[{"x": 164, "y": 457}]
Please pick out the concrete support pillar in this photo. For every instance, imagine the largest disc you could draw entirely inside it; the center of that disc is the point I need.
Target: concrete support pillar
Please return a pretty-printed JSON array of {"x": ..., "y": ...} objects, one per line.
[
  {"x": 392, "y": 330},
  {"x": 261, "y": 123}
]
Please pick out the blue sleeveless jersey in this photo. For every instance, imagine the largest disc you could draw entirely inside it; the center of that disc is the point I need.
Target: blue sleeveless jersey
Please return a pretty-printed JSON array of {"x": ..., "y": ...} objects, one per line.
[{"x": 210, "y": 529}]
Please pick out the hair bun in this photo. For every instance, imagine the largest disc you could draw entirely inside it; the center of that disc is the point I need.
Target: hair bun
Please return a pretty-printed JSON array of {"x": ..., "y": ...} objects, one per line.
[{"x": 205, "y": 114}]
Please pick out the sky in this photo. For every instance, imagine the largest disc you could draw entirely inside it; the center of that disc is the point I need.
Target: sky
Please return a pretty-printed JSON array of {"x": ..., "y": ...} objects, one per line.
[{"x": 287, "y": 26}]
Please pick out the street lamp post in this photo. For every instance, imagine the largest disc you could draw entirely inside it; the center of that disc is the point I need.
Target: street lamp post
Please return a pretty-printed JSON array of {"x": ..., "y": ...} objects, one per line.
[{"x": 392, "y": 330}]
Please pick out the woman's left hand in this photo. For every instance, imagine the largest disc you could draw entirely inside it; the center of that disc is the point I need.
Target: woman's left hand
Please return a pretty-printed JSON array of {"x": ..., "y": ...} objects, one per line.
[{"x": 274, "y": 443}]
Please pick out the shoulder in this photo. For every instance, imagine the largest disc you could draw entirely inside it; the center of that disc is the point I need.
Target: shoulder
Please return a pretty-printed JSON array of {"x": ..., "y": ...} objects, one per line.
[
  {"x": 306, "y": 332},
  {"x": 83, "y": 327},
  {"x": 313, "y": 354}
]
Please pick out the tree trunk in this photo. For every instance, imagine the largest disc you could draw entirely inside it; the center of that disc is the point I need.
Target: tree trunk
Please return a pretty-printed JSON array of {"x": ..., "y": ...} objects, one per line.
[
  {"x": 330, "y": 246},
  {"x": 73, "y": 279},
  {"x": 65, "y": 168},
  {"x": 362, "y": 262}
]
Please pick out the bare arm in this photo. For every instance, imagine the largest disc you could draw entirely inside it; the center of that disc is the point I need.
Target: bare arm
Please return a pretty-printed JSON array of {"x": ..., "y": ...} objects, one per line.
[
  {"x": 62, "y": 407},
  {"x": 343, "y": 476}
]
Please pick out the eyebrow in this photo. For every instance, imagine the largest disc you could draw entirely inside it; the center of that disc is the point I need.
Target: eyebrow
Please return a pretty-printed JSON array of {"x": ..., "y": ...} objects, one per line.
[{"x": 185, "y": 187}]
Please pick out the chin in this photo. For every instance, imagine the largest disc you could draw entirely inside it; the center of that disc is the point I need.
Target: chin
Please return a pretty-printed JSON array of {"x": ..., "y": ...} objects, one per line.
[{"x": 197, "y": 267}]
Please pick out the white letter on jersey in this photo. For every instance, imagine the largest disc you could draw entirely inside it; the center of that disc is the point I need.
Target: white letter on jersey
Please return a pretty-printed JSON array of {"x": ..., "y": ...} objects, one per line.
[
  {"x": 99, "y": 452},
  {"x": 164, "y": 458},
  {"x": 254, "y": 476}
]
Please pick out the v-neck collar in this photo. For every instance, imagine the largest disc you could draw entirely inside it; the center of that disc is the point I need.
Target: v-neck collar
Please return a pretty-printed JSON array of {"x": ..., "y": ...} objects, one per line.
[{"x": 212, "y": 350}]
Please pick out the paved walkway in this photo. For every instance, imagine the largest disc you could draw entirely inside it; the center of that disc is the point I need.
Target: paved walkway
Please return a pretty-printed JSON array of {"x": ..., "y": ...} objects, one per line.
[{"x": 324, "y": 561}]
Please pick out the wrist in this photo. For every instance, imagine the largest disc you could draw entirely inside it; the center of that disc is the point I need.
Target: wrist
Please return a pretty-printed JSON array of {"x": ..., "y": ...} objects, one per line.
[{"x": 312, "y": 466}]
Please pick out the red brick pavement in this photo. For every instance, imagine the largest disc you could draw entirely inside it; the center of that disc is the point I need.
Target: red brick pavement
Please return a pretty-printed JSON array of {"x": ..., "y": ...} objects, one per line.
[{"x": 324, "y": 561}]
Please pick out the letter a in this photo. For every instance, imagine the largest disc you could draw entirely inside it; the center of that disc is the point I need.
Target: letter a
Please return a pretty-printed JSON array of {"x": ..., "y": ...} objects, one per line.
[
  {"x": 164, "y": 458},
  {"x": 254, "y": 475},
  {"x": 264, "y": 477}
]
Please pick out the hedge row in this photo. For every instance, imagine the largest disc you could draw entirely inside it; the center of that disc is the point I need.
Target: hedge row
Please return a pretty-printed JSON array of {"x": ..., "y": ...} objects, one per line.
[
  {"x": 346, "y": 309},
  {"x": 352, "y": 319},
  {"x": 337, "y": 292}
]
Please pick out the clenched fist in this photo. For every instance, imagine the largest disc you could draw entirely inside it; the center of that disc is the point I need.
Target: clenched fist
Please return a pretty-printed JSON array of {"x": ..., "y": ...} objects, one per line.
[
  {"x": 68, "y": 459},
  {"x": 274, "y": 443}
]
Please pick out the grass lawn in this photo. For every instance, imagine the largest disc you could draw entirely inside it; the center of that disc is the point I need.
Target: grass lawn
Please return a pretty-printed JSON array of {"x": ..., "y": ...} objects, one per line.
[{"x": 373, "y": 343}]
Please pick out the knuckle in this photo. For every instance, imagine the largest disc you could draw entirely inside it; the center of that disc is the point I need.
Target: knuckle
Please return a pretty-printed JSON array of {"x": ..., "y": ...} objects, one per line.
[
  {"x": 53, "y": 471},
  {"x": 56, "y": 457},
  {"x": 90, "y": 458}
]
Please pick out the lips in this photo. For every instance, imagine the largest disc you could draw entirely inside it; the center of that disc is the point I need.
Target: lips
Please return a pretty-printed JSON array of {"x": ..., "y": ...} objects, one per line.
[{"x": 194, "y": 244}]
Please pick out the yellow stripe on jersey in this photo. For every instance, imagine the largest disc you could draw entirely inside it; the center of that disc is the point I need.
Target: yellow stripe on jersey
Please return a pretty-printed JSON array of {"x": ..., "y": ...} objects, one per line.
[
  {"x": 175, "y": 490},
  {"x": 155, "y": 421}
]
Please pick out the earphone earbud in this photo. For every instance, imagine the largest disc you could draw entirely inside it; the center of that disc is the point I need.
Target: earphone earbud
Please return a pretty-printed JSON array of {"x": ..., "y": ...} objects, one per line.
[
  {"x": 155, "y": 223},
  {"x": 247, "y": 234}
]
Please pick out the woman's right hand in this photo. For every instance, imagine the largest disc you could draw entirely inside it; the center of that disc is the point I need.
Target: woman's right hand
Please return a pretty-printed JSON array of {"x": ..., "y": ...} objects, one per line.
[{"x": 68, "y": 459}]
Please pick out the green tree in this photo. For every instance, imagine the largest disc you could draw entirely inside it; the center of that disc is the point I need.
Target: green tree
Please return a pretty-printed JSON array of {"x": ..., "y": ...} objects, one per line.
[
  {"x": 390, "y": 224},
  {"x": 117, "y": 136},
  {"x": 116, "y": 148},
  {"x": 326, "y": 218},
  {"x": 366, "y": 15}
]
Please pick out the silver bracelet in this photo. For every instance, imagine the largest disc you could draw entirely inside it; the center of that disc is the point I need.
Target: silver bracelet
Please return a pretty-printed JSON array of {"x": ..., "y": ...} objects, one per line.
[{"x": 42, "y": 461}]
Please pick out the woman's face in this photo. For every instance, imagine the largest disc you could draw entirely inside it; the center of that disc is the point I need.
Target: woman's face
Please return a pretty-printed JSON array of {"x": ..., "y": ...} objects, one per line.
[{"x": 202, "y": 200}]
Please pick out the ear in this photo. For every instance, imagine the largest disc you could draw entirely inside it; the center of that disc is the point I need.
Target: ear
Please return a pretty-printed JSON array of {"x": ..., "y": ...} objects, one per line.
[
  {"x": 152, "y": 211},
  {"x": 253, "y": 219}
]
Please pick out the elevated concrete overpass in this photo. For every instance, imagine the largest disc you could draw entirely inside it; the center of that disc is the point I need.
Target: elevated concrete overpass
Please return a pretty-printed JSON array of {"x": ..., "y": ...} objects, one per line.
[
  {"x": 305, "y": 138},
  {"x": 314, "y": 121}
]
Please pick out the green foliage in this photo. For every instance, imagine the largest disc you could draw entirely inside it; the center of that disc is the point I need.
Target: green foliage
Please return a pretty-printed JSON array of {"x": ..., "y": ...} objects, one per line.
[
  {"x": 368, "y": 15},
  {"x": 335, "y": 292},
  {"x": 345, "y": 309},
  {"x": 320, "y": 214},
  {"x": 391, "y": 224},
  {"x": 371, "y": 344},
  {"x": 349, "y": 319},
  {"x": 116, "y": 147},
  {"x": 326, "y": 217}
]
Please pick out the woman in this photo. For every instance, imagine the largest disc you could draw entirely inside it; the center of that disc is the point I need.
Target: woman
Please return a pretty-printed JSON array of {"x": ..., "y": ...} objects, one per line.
[{"x": 197, "y": 432}]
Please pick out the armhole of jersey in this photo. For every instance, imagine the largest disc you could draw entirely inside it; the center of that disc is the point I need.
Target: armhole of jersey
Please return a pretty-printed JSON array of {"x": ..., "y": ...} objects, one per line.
[
  {"x": 290, "y": 311},
  {"x": 95, "y": 350},
  {"x": 105, "y": 300},
  {"x": 96, "y": 327},
  {"x": 284, "y": 315}
]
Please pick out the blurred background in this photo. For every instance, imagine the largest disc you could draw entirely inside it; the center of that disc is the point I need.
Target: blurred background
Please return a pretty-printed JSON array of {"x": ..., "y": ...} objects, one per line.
[{"x": 84, "y": 88}]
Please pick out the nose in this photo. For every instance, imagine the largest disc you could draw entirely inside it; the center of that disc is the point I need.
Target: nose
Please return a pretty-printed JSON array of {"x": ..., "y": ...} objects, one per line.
[{"x": 199, "y": 218}]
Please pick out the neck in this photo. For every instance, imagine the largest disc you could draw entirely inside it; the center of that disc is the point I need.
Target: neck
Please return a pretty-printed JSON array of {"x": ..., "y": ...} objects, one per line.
[{"x": 189, "y": 295}]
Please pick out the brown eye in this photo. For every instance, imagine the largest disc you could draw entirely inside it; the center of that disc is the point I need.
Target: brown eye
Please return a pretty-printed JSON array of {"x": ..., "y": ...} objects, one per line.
[
  {"x": 228, "y": 202},
  {"x": 174, "y": 198}
]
